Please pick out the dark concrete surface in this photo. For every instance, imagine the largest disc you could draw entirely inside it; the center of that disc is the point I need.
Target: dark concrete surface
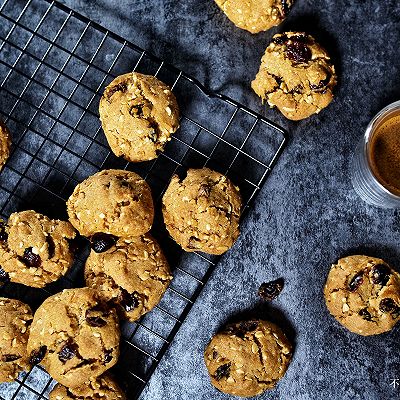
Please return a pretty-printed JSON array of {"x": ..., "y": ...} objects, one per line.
[{"x": 307, "y": 214}]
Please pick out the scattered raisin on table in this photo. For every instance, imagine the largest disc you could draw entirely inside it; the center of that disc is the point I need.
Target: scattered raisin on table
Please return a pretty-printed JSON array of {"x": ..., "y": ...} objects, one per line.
[{"x": 270, "y": 290}]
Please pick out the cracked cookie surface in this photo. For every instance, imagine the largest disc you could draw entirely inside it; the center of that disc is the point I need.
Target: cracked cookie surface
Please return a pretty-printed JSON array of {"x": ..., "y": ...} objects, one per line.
[
  {"x": 255, "y": 15},
  {"x": 201, "y": 212},
  {"x": 116, "y": 202},
  {"x": 139, "y": 114},
  {"x": 5, "y": 144},
  {"x": 34, "y": 249},
  {"x": 248, "y": 357},
  {"x": 363, "y": 294},
  {"x": 15, "y": 319},
  {"x": 103, "y": 388},
  {"x": 75, "y": 336},
  {"x": 296, "y": 76},
  {"x": 132, "y": 275}
]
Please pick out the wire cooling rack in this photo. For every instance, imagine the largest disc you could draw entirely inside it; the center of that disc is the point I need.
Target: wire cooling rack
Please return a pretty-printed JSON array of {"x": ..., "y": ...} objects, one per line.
[{"x": 54, "y": 65}]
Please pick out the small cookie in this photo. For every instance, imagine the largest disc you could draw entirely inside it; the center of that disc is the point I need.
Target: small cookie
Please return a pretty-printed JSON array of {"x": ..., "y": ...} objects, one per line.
[
  {"x": 363, "y": 294},
  {"x": 15, "y": 318},
  {"x": 103, "y": 388},
  {"x": 248, "y": 357},
  {"x": 34, "y": 249},
  {"x": 201, "y": 212},
  {"x": 133, "y": 275},
  {"x": 5, "y": 144},
  {"x": 139, "y": 114},
  {"x": 116, "y": 202},
  {"x": 255, "y": 15},
  {"x": 296, "y": 75},
  {"x": 74, "y": 336}
]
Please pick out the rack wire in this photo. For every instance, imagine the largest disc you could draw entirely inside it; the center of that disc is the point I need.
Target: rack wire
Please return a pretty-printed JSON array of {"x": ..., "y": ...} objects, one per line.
[{"x": 54, "y": 66}]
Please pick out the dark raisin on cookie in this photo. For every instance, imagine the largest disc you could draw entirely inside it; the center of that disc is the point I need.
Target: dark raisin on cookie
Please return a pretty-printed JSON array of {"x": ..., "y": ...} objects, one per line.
[
  {"x": 30, "y": 259},
  {"x": 121, "y": 87},
  {"x": 285, "y": 8},
  {"x": 95, "y": 316},
  {"x": 108, "y": 356},
  {"x": 101, "y": 242},
  {"x": 129, "y": 301},
  {"x": 136, "y": 110},
  {"x": 270, "y": 290},
  {"x": 4, "y": 277},
  {"x": 380, "y": 274},
  {"x": 50, "y": 246},
  {"x": 281, "y": 39},
  {"x": 322, "y": 84},
  {"x": 37, "y": 355},
  {"x": 222, "y": 372},
  {"x": 365, "y": 314},
  {"x": 356, "y": 281},
  {"x": 67, "y": 352},
  {"x": 389, "y": 306},
  {"x": 204, "y": 190},
  {"x": 297, "y": 51},
  {"x": 193, "y": 243},
  {"x": 10, "y": 357},
  {"x": 242, "y": 328}
]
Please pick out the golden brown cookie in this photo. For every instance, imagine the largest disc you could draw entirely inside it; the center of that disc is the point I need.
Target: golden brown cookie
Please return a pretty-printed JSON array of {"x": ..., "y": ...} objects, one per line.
[
  {"x": 363, "y": 294},
  {"x": 116, "y": 202},
  {"x": 201, "y": 212},
  {"x": 75, "y": 336},
  {"x": 248, "y": 357},
  {"x": 296, "y": 76},
  {"x": 15, "y": 318},
  {"x": 103, "y": 388},
  {"x": 34, "y": 249},
  {"x": 5, "y": 144},
  {"x": 255, "y": 15},
  {"x": 132, "y": 275},
  {"x": 139, "y": 114}
]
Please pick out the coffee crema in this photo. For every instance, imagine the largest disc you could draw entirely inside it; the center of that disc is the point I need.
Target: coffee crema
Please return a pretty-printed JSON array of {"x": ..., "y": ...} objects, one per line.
[{"x": 384, "y": 154}]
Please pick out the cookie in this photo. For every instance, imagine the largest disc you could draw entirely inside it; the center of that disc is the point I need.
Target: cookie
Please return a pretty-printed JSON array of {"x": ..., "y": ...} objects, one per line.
[
  {"x": 75, "y": 336},
  {"x": 201, "y": 212},
  {"x": 255, "y": 15},
  {"x": 139, "y": 114},
  {"x": 132, "y": 275},
  {"x": 15, "y": 318},
  {"x": 5, "y": 144},
  {"x": 103, "y": 388},
  {"x": 116, "y": 202},
  {"x": 34, "y": 249},
  {"x": 363, "y": 294},
  {"x": 248, "y": 357},
  {"x": 296, "y": 76}
]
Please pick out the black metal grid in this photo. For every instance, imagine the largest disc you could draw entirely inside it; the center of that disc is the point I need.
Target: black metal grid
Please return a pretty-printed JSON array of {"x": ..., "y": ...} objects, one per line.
[{"x": 54, "y": 65}]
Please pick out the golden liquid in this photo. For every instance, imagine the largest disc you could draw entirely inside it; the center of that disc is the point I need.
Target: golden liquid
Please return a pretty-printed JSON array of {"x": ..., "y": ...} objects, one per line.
[{"x": 385, "y": 154}]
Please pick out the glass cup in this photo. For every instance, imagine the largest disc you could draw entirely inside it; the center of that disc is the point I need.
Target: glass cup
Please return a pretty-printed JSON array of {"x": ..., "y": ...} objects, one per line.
[{"x": 363, "y": 179}]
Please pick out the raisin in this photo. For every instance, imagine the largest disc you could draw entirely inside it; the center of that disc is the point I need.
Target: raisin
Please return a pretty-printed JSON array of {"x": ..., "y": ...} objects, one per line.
[
  {"x": 242, "y": 328},
  {"x": 101, "y": 242},
  {"x": 193, "y": 242},
  {"x": 4, "y": 277},
  {"x": 204, "y": 190},
  {"x": 10, "y": 357},
  {"x": 67, "y": 352},
  {"x": 365, "y": 314},
  {"x": 108, "y": 356},
  {"x": 356, "y": 281},
  {"x": 380, "y": 274},
  {"x": 94, "y": 316},
  {"x": 3, "y": 232},
  {"x": 129, "y": 301},
  {"x": 37, "y": 355},
  {"x": 136, "y": 110},
  {"x": 281, "y": 39},
  {"x": 270, "y": 290},
  {"x": 30, "y": 259},
  {"x": 214, "y": 354},
  {"x": 388, "y": 305},
  {"x": 297, "y": 51},
  {"x": 121, "y": 87},
  {"x": 222, "y": 372},
  {"x": 50, "y": 246},
  {"x": 285, "y": 8},
  {"x": 322, "y": 84}
]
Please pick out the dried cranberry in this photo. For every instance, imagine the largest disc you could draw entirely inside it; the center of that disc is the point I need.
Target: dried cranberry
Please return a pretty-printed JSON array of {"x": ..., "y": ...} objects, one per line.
[
  {"x": 380, "y": 274},
  {"x": 356, "y": 281},
  {"x": 270, "y": 290},
  {"x": 4, "y": 277},
  {"x": 10, "y": 357},
  {"x": 222, "y": 372},
  {"x": 129, "y": 301},
  {"x": 37, "y": 355},
  {"x": 3, "y": 232},
  {"x": 108, "y": 356},
  {"x": 31, "y": 259},
  {"x": 68, "y": 351},
  {"x": 365, "y": 314},
  {"x": 297, "y": 51},
  {"x": 101, "y": 242}
]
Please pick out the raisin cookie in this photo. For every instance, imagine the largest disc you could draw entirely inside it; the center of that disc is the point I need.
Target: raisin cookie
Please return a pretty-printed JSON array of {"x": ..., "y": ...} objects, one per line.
[
  {"x": 296, "y": 75},
  {"x": 74, "y": 336},
  {"x": 15, "y": 319},
  {"x": 201, "y": 212},
  {"x": 116, "y": 202},
  {"x": 103, "y": 388},
  {"x": 34, "y": 249},
  {"x": 5, "y": 144},
  {"x": 138, "y": 114},
  {"x": 132, "y": 275},
  {"x": 255, "y": 15},
  {"x": 248, "y": 357},
  {"x": 363, "y": 294}
]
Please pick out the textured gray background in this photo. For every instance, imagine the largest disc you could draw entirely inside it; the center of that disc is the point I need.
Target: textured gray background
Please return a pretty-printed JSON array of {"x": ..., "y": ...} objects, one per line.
[{"x": 307, "y": 214}]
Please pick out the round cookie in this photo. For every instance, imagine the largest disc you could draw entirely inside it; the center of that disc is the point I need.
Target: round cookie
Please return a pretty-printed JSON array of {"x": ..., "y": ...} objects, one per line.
[
  {"x": 74, "y": 336},
  {"x": 296, "y": 76},
  {"x": 5, "y": 144},
  {"x": 247, "y": 358},
  {"x": 34, "y": 249},
  {"x": 201, "y": 212},
  {"x": 363, "y": 294},
  {"x": 15, "y": 318},
  {"x": 132, "y": 275},
  {"x": 103, "y": 388},
  {"x": 116, "y": 202},
  {"x": 139, "y": 114},
  {"x": 255, "y": 15}
]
